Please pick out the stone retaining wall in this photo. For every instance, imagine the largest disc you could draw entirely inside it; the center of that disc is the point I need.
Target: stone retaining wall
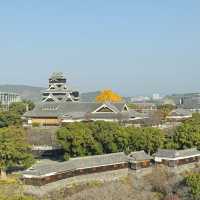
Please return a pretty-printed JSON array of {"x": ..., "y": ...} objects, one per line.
[{"x": 55, "y": 187}]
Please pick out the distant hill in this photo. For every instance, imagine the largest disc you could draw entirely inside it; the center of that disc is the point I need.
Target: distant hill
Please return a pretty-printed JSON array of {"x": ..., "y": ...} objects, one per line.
[
  {"x": 34, "y": 93},
  {"x": 89, "y": 96}
]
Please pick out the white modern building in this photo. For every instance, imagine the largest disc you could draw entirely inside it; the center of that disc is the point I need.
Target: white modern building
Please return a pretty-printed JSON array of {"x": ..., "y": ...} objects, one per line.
[{"x": 7, "y": 98}]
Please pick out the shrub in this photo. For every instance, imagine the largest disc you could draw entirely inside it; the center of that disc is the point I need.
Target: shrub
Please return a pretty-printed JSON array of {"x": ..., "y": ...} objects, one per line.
[
  {"x": 193, "y": 182},
  {"x": 162, "y": 180},
  {"x": 36, "y": 124}
]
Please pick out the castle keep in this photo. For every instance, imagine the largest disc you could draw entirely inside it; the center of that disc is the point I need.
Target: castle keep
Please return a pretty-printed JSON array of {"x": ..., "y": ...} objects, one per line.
[{"x": 58, "y": 90}]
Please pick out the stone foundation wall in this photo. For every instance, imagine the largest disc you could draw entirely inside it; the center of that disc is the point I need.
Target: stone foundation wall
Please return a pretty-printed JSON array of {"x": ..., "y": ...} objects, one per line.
[
  {"x": 39, "y": 181},
  {"x": 55, "y": 187}
]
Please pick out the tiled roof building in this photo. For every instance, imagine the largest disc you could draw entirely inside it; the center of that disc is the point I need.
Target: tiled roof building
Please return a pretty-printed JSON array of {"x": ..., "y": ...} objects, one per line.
[
  {"x": 180, "y": 114},
  {"x": 47, "y": 173},
  {"x": 139, "y": 159},
  {"x": 58, "y": 90},
  {"x": 52, "y": 113},
  {"x": 173, "y": 158}
]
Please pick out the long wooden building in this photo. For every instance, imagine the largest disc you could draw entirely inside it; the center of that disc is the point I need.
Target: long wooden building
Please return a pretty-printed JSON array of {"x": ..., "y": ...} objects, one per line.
[
  {"x": 53, "y": 113},
  {"x": 174, "y": 158},
  {"x": 40, "y": 174},
  {"x": 45, "y": 174}
]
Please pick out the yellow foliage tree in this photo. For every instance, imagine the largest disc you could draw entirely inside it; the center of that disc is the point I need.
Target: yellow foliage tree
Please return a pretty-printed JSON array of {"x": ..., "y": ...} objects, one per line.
[{"x": 108, "y": 96}]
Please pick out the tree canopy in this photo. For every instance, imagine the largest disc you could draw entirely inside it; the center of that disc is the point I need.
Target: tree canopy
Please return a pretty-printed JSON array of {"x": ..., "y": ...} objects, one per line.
[
  {"x": 165, "y": 109},
  {"x": 21, "y": 107},
  {"x": 193, "y": 181},
  {"x": 12, "y": 117},
  {"x": 108, "y": 96},
  {"x": 188, "y": 134},
  {"x": 8, "y": 118},
  {"x": 80, "y": 139},
  {"x": 14, "y": 149}
]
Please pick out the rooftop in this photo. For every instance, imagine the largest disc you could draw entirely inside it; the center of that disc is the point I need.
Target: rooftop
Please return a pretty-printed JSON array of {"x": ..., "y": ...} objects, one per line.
[
  {"x": 68, "y": 109},
  {"x": 171, "y": 153},
  {"x": 138, "y": 156},
  {"x": 181, "y": 112},
  {"x": 57, "y": 75},
  {"x": 75, "y": 163}
]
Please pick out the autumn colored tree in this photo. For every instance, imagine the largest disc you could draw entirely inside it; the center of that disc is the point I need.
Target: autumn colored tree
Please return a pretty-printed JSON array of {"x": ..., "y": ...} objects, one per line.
[{"x": 109, "y": 96}]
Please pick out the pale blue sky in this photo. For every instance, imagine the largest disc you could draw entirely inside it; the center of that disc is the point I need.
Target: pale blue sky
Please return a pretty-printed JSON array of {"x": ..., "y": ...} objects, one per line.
[{"x": 131, "y": 46}]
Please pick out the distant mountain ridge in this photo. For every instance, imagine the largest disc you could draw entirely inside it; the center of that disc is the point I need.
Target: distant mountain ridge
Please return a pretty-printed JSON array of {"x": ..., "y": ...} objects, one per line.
[
  {"x": 34, "y": 93},
  {"x": 89, "y": 96}
]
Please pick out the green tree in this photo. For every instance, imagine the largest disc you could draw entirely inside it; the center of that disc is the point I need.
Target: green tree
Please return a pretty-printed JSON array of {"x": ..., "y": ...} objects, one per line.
[
  {"x": 121, "y": 139},
  {"x": 153, "y": 139},
  {"x": 77, "y": 140},
  {"x": 135, "y": 140},
  {"x": 29, "y": 103},
  {"x": 18, "y": 107},
  {"x": 21, "y": 107},
  {"x": 13, "y": 116},
  {"x": 187, "y": 135},
  {"x": 193, "y": 181},
  {"x": 165, "y": 109},
  {"x": 106, "y": 134},
  {"x": 148, "y": 139},
  {"x": 14, "y": 149},
  {"x": 194, "y": 120},
  {"x": 8, "y": 118}
]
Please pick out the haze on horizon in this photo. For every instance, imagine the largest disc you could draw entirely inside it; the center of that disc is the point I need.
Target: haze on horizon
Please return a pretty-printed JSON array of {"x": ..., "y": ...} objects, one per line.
[{"x": 133, "y": 47}]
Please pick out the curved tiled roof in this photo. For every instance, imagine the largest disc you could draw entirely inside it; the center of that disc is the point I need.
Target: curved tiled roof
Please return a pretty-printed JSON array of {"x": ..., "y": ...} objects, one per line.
[
  {"x": 53, "y": 109},
  {"x": 180, "y": 112},
  {"x": 82, "y": 110},
  {"x": 172, "y": 153},
  {"x": 138, "y": 156},
  {"x": 77, "y": 163}
]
